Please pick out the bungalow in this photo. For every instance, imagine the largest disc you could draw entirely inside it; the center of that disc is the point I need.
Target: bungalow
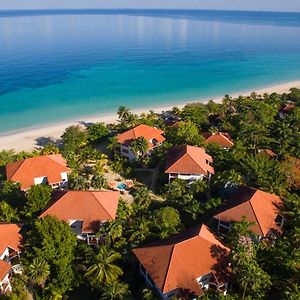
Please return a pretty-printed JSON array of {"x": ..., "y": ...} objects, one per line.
[
  {"x": 185, "y": 265},
  {"x": 286, "y": 109},
  {"x": 84, "y": 211},
  {"x": 10, "y": 248},
  {"x": 222, "y": 139},
  {"x": 45, "y": 169},
  {"x": 267, "y": 152},
  {"x": 188, "y": 163},
  {"x": 258, "y": 207},
  {"x": 153, "y": 136}
]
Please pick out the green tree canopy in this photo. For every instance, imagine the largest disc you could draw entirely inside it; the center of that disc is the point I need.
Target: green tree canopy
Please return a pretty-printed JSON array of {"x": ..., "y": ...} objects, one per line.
[
  {"x": 51, "y": 240},
  {"x": 38, "y": 197}
]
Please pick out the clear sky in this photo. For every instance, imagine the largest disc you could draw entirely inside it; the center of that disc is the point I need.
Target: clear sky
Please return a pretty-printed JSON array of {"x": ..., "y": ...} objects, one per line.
[{"x": 266, "y": 5}]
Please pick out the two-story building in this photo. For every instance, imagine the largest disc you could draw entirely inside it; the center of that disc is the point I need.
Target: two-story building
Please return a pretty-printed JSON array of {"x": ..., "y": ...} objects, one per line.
[
  {"x": 222, "y": 139},
  {"x": 258, "y": 207},
  {"x": 10, "y": 248},
  {"x": 84, "y": 211},
  {"x": 45, "y": 169},
  {"x": 188, "y": 163},
  {"x": 185, "y": 265},
  {"x": 152, "y": 135}
]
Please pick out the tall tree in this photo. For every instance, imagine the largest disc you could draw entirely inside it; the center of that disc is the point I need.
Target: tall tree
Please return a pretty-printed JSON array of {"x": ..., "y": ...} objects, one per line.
[
  {"x": 37, "y": 199},
  {"x": 51, "y": 240},
  {"x": 104, "y": 270}
]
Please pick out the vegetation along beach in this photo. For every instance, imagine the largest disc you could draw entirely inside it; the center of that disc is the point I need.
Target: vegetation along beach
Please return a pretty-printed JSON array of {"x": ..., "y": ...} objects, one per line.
[{"x": 149, "y": 154}]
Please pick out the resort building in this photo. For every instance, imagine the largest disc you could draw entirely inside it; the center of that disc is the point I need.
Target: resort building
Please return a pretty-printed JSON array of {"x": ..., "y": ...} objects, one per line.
[
  {"x": 10, "y": 248},
  {"x": 188, "y": 163},
  {"x": 185, "y": 265},
  {"x": 153, "y": 136},
  {"x": 286, "y": 109},
  {"x": 258, "y": 207},
  {"x": 222, "y": 139},
  {"x": 84, "y": 211},
  {"x": 267, "y": 152},
  {"x": 45, "y": 169}
]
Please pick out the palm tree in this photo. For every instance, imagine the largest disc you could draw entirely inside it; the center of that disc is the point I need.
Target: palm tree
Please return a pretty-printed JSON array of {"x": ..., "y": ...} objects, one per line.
[
  {"x": 98, "y": 182},
  {"x": 139, "y": 146},
  {"x": 104, "y": 271},
  {"x": 123, "y": 112},
  {"x": 115, "y": 291},
  {"x": 38, "y": 271},
  {"x": 50, "y": 149},
  {"x": 101, "y": 162},
  {"x": 113, "y": 143}
]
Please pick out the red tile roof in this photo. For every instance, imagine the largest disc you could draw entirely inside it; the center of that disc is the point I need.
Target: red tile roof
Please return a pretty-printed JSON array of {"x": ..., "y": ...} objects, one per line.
[
  {"x": 188, "y": 160},
  {"x": 268, "y": 152},
  {"x": 176, "y": 263},
  {"x": 91, "y": 207},
  {"x": 257, "y": 206},
  {"x": 141, "y": 130},
  {"x": 286, "y": 108},
  {"x": 24, "y": 171},
  {"x": 220, "y": 138},
  {"x": 4, "y": 269},
  {"x": 10, "y": 237}
]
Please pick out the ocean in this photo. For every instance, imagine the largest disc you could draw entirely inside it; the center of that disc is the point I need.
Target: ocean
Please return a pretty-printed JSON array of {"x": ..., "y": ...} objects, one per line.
[{"x": 64, "y": 65}]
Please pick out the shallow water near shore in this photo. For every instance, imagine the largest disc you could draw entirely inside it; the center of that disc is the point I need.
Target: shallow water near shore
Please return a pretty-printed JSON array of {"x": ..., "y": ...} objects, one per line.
[{"x": 56, "y": 66}]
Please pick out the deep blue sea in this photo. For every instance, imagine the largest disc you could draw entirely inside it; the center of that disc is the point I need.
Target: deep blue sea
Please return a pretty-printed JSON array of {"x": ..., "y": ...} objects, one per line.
[{"x": 59, "y": 65}]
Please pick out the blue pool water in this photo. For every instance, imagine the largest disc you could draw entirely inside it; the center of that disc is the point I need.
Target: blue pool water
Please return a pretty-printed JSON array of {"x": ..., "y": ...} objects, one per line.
[
  {"x": 58, "y": 65},
  {"x": 121, "y": 186}
]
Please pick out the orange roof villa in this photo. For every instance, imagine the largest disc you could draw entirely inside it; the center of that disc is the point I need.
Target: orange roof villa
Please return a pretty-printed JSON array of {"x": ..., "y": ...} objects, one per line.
[
  {"x": 85, "y": 211},
  {"x": 10, "y": 248},
  {"x": 185, "y": 265},
  {"x": 222, "y": 139},
  {"x": 188, "y": 163},
  {"x": 154, "y": 137},
  {"x": 261, "y": 208},
  {"x": 45, "y": 169}
]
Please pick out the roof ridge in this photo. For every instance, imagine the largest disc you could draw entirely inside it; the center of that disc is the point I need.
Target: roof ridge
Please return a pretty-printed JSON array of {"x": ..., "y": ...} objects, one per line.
[
  {"x": 50, "y": 156},
  {"x": 196, "y": 162},
  {"x": 168, "y": 268},
  {"x": 21, "y": 164},
  {"x": 93, "y": 194},
  {"x": 255, "y": 213},
  {"x": 54, "y": 202}
]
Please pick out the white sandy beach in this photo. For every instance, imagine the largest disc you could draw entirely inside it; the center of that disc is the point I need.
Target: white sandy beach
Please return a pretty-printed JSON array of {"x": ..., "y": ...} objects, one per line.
[{"x": 26, "y": 140}]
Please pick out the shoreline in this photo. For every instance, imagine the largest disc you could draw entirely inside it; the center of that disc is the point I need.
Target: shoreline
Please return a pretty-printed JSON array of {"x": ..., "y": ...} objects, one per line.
[{"x": 25, "y": 140}]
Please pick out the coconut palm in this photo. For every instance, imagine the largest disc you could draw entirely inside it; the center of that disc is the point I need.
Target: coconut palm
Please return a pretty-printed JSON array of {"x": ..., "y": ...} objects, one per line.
[
  {"x": 123, "y": 112},
  {"x": 113, "y": 143},
  {"x": 38, "y": 271},
  {"x": 115, "y": 291},
  {"x": 101, "y": 162},
  {"x": 139, "y": 146},
  {"x": 98, "y": 182},
  {"x": 104, "y": 271}
]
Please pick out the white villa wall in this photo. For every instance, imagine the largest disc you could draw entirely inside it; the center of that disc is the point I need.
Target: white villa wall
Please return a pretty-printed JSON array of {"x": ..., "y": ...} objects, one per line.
[
  {"x": 126, "y": 151},
  {"x": 190, "y": 177},
  {"x": 40, "y": 180},
  {"x": 4, "y": 254},
  {"x": 7, "y": 282}
]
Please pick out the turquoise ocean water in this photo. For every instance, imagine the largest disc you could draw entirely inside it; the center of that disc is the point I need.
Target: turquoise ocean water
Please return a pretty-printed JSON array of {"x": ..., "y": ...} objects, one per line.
[{"x": 60, "y": 65}]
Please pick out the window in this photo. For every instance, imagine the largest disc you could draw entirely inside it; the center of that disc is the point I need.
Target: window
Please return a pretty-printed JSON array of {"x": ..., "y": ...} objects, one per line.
[
  {"x": 223, "y": 227},
  {"x": 279, "y": 220},
  {"x": 204, "y": 280}
]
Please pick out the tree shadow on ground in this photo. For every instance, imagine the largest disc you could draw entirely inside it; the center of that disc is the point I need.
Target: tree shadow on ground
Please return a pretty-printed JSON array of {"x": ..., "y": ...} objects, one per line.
[{"x": 43, "y": 141}]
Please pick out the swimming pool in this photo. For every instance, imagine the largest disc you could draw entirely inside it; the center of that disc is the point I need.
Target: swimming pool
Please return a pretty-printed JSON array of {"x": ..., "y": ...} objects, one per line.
[{"x": 122, "y": 186}]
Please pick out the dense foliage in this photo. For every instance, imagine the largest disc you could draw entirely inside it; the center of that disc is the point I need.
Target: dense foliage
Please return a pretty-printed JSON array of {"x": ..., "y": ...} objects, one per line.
[{"x": 56, "y": 265}]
